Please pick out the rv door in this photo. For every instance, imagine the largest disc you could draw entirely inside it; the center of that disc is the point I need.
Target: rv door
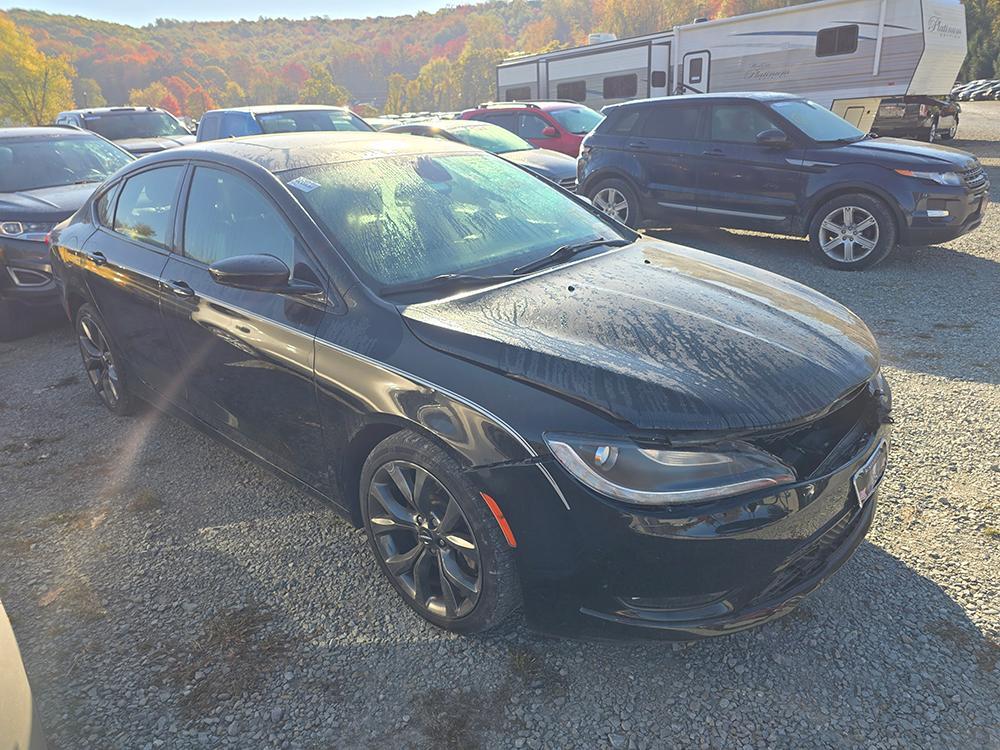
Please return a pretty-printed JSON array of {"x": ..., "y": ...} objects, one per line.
[{"x": 695, "y": 73}]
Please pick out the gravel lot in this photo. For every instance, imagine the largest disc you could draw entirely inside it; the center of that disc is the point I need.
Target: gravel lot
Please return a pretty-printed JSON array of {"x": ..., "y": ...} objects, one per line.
[{"x": 166, "y": 593}]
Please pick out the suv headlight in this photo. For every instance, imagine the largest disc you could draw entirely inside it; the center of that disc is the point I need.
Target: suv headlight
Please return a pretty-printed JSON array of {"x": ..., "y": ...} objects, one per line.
[
  {"x": 34, "y": 232},
  {"x": 941, "y": 178},
  {"x": 640, "y": 475}
]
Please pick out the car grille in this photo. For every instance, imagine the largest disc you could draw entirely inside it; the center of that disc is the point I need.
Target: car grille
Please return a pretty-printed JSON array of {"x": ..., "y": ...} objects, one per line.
[
  {"x": 812, "y": 559},
  {"x": 974, "y": 178},
  {"x": 569, "y": 184}
]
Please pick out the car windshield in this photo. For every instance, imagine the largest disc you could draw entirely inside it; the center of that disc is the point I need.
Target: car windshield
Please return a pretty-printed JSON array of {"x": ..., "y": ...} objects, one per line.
[
  {"x": 817, "y": 122},
  {"x": 117, "y": 126},
  {"x": 311, "y": 120},
  {"x": 403, "y": 219},
  {"x": 51, "y": 162},
  {"x": 490, "y": 138},
  {"x": 577, "y": 120}
]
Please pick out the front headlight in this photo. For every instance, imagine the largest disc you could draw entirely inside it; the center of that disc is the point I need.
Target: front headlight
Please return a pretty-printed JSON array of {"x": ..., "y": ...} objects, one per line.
[
  {"x": 640, "y": 475},
  {"x": 941, "y": 178},
  {"x": 31, "y": 231}
]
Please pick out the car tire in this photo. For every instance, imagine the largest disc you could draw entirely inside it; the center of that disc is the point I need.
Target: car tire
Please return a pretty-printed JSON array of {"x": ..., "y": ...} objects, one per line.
[
  {"x": 606, "y": 195},
  {"x": 951, "y": 132},
  {"x": 843, "y": 224},
  {"x": 10, "y": 326},
  {"x": 446, "y": 537},
  {"x": 932, "y": 133},
  {"x": 102, "y": 362}
]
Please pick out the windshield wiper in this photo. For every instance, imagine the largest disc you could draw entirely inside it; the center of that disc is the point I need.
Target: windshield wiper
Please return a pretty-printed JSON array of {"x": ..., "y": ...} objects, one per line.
[
  {"x": 564, "y": 252},
  {"x": 443, "y": 281}
]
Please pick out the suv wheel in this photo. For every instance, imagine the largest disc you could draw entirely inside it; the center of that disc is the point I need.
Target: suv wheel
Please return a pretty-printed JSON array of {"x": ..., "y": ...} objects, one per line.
[
  {"x": 617, "y": 200},
  {"x": 852, "y": 232},
  {"x": 435, "y": 538}
]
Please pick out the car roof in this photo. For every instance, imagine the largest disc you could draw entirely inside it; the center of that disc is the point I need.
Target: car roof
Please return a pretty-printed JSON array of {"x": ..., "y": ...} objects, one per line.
[
  {"x": 266, "y": 109},
  {"x": 279, "y": 152},
  {"x": 760, "y": 96},
  {"x": 44, "y": 131},
  {"x": 109, "y": 110},
  {"x": 443, "y": 125}
]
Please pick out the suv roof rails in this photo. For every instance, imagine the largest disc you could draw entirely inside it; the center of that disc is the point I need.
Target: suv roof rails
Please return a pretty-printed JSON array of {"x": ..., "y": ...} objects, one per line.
[{"x": 491, "y": 105}]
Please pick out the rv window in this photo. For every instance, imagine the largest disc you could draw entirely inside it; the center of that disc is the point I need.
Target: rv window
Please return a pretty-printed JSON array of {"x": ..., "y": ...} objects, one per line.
[
  {"x": 573, "y": 90},
  {"x": 694, "y": 69},
  {"x": 621, "y": 87},
  {"x": 518, "y": 94},
  {"x": 837, "y": 40},
  {"x": 659, "y": 79},
  {"x": 676, "y": 122}
]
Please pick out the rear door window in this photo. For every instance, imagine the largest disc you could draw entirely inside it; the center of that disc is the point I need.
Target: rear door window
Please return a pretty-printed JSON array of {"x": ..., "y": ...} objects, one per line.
[
  {"x": 674, "y": 122},
  {"x": 506, "y": 120},
  {"x": 145, "y": 210}
]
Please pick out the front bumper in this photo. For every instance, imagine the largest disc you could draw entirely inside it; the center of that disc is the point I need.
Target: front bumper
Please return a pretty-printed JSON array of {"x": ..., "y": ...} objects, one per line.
[
  {"x": 965, "y": 211},
  {"x": 26, "y": 274},
  {"x": 602, "y": 569}
]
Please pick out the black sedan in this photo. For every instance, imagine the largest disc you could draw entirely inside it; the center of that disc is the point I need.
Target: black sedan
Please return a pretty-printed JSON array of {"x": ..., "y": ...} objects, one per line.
[
  {"x": 45, "y": 175},
  {"x": 552, "y": 165},
  {"x": 523, "y": 402}
]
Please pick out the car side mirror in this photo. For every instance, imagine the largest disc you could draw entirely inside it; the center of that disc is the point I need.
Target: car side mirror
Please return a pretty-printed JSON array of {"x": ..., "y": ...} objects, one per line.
[
  {"x": 772, "y": 137},
  {"x": 260, "y": 273},
  {"x": 549, "y": 132}
]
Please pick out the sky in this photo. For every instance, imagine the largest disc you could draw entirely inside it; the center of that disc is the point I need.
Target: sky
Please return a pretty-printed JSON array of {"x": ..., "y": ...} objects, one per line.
[{"x": 140, "y": 13}]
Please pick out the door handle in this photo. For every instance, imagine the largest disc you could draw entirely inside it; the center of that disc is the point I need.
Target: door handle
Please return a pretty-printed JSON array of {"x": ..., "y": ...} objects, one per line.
[
  {"x": 713, "y": 152},
  {"x": 97, "y": 258},
  {"x": 180, "y": 288},
  {"x": 638, "y": 145}
]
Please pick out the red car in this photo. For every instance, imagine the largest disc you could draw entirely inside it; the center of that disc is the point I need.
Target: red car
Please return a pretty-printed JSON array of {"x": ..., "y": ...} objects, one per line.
[{"x": 558, "y": 126}]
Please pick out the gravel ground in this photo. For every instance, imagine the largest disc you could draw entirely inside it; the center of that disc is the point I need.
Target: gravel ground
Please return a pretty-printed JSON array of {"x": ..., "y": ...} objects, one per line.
[{"x": 166, "y": 593}]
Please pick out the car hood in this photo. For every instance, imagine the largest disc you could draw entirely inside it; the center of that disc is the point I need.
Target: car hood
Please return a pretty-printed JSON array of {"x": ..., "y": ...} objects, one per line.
[
  {"x": 663, "y": 337},
  {"x": 153, "y": 145},
  {"x": 50, "y": 204},
  {"x": 547, "y": 163},
  {"x": 910, "y": 153}
]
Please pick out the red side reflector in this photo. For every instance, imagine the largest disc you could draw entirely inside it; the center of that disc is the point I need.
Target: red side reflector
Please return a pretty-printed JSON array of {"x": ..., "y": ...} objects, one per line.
[{"x": 498, "y": 514}]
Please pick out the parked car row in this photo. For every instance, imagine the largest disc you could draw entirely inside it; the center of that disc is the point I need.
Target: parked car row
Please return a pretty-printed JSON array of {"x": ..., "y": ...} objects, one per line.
[
  {"x": 523, "y": 402},
  {"x": 978, "y": 90}
]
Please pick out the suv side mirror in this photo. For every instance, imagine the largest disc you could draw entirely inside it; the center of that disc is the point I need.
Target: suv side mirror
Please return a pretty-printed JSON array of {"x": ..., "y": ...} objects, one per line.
[
  {"x": 260, "y": 273},
  {"x": 772, "y": 137},
  {"x": 549, "y": 132}
]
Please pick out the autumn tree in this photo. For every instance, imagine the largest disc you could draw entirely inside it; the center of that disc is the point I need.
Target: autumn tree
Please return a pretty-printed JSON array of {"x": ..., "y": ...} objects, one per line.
[
  {"x": 232, "y": 95},
  {"x": 198, "y": 102},
  {"x": 34, "y": 87},
  {"x": 395, "y": 100},
  {"x": 149, "y": 95},
  {"x": 538, "y": 35},
  {"x": 476, "y": 75},
  {"x": 87, "y": 93},
  {"x": 170, "y": 103},
  {"x": 319, "y": 88}
]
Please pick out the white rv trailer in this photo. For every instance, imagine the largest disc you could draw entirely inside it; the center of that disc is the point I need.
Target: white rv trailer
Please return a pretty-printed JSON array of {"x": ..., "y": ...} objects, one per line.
[{"x": 844, "y": 54}]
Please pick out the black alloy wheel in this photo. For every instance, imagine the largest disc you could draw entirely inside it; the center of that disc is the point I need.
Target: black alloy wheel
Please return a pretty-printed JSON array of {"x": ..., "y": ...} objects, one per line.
[
  {"x": 424, "y": 539},
  {"x": 433, "y": 538},
  {"x": 103, "y": 367}
]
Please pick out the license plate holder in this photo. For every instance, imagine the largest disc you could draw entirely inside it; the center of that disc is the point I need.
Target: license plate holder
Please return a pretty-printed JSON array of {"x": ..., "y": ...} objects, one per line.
[{"x": 866, "y": 479}]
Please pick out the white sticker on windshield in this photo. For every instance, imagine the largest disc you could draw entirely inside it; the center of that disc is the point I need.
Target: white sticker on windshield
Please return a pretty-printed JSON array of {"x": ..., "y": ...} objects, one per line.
[{"x": 303, "y": 183}]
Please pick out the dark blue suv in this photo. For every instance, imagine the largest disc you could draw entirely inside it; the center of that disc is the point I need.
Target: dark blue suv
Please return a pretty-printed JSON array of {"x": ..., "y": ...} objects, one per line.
[{"x": 778, "y": 163}]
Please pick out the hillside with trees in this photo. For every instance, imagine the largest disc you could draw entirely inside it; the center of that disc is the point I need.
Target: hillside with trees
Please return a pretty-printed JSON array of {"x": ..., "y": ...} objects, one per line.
[{"x": 442, "y": 60}]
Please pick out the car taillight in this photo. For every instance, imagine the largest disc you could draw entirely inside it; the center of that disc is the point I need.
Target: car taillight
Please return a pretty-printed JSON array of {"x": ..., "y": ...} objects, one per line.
[{"x": 924, "y": 110}]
